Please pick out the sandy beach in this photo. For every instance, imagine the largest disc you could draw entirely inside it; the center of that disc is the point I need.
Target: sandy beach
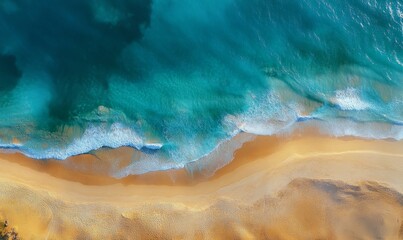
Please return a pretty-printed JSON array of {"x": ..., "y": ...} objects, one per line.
[{"x": 294, "y": 187}]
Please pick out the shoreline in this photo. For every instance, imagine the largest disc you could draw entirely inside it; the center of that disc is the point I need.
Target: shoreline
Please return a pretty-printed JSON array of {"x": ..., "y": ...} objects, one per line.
[
  {"x": 276, "y": 150},
  {"x": 262, "y": 168},
  {"x": 79, "y": 168}
]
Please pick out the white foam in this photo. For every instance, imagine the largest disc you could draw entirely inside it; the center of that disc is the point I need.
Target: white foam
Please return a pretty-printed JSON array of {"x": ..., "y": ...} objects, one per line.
[
  {"x": 346, "y": 127},
  {"x": 208, "y": 163},
  {"x": 95, "y": 137},
  {"x": 222, "y": 155},
  {"x": 266, "y": 116},
  {"x": 153, "y": 146},
  {"x": 349, "y": 99},
  {"x": 268, "y": 127},
  {"x": 10, "y": 145},
  {"x": 148, "y": 163},
  {"x": 258, "y": 120}
]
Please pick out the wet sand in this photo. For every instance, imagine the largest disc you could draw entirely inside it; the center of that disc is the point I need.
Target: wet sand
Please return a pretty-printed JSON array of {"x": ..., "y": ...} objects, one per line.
[{"x": 295, "y": 187}]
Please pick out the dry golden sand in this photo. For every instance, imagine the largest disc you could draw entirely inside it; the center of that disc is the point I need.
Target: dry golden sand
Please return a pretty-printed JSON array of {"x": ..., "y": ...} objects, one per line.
[{"x": 309, "y": 187}]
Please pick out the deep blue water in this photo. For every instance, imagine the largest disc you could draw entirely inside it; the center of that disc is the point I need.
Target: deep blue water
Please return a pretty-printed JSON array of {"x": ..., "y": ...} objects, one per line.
[{"x": 177, "y": 78}]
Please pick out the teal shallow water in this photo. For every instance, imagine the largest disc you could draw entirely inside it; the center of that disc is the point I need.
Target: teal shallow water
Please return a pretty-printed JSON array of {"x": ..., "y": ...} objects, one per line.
[{"x": 177, "y": 79}]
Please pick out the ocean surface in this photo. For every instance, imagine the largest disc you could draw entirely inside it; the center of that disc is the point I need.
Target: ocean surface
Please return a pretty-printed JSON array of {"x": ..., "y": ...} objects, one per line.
[{"x": 178, "y": 79}]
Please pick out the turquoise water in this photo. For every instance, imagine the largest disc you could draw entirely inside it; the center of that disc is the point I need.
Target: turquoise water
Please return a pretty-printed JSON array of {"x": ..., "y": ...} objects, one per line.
[{"x": 176, "y": 79}]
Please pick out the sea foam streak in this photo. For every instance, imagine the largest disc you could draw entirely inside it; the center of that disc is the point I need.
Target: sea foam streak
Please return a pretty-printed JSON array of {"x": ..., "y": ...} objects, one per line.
[{"x": 117, "y": 135}]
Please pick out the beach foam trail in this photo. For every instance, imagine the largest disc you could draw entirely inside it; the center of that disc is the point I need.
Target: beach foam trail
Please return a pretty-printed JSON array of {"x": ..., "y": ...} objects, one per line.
[{"x": 179, "y": 79}]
